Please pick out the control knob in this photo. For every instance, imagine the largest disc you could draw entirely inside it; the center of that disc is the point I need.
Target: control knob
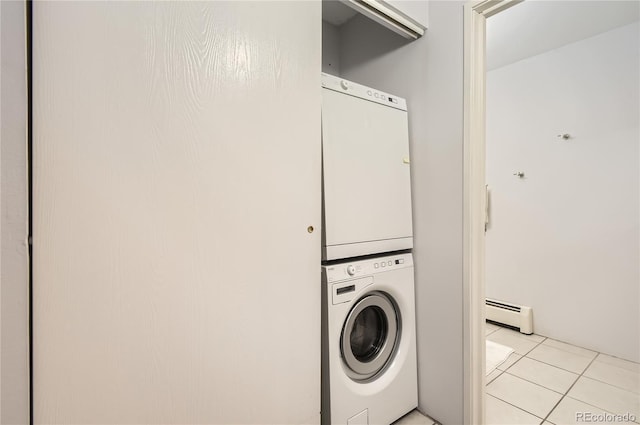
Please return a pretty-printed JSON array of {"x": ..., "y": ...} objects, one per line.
[{"x": 351, "y": 270}]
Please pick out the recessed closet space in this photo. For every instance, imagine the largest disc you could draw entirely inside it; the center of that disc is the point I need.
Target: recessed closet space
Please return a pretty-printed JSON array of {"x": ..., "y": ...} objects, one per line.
[
  {"x": 369, "y": 369},
  {"x": 365, "y": 49}
]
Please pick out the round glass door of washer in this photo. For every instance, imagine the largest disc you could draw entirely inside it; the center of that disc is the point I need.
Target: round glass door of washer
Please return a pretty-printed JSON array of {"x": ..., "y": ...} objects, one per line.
[{"x": 370, "y": 335}]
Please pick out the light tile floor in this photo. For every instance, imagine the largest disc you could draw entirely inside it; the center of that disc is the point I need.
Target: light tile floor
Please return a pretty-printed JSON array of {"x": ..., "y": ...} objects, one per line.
[{"x": 551, "y": 382}]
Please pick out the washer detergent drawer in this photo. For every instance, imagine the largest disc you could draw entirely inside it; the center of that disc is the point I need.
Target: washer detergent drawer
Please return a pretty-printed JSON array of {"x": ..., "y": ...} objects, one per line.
[
  {"x": 367, "y": 187},
  {"x": 345, "y": 291}
]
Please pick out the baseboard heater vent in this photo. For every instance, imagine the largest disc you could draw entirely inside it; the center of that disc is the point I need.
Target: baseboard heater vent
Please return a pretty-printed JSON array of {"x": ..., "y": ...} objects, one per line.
[{"x": 515, "y": 316}]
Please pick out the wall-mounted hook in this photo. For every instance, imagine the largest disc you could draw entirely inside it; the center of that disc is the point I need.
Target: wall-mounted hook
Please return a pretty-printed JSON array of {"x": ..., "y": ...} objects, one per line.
[
  {"x": 564, "y": 136},
  {"x": 519, "y": 174}
]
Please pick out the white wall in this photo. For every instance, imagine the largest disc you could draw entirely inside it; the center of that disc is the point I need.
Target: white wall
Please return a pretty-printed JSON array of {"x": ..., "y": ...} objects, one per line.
[
  {"x": 428, "y": 73},
  {"x": 176, "y": 171},
  {"x": 564, "y": 240},
  {"x": 330, "y": 49},
  {"x": 514, "y": 34},
  {"x": 14, "y": 291}
]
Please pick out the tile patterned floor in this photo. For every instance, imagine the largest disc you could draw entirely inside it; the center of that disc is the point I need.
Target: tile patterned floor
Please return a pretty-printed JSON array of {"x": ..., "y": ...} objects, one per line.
[{"x": 549, "y": 382}]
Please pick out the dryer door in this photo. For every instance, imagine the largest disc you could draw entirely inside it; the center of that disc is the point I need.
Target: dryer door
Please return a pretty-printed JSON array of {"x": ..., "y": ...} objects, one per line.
[
  {"x": 370, "y": 335},
  {"x": 366, "y": 172}
]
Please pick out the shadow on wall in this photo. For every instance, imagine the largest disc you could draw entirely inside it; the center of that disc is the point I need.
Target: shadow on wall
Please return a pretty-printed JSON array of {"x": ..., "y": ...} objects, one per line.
[{"x": 386, "y": 41}]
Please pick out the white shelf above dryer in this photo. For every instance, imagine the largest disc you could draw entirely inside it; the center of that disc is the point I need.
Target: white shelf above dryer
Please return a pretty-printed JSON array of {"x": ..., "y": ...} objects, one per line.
[{"x": 407, "y": 18}]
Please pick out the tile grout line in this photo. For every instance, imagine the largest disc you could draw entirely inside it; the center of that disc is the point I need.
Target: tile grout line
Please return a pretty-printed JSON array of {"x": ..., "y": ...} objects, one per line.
[
  {"x": 517, "y": 407},
  {"x": 575, "y": 373},
  {"x": 612, "y": 385},
  {"x": 609, "y": 383},
  {"x": 552, "y": 365},
  {"x": 569, "y": 389},
  {"x": 565, "y": 394},
  {"x": 525, "y": 354},
  {"x": 530, "y": 350},
  {"x": 557, "y": 367},
  {"x": 505, "y": 371},
  {"x": 516, "y": 361},
  {"x": 591, "y": 405},
  {"x": 621, "y": 359},
  {"x": 597, "y": 353},
  {"x": 541, "y": 386},
  {"x": 534, "y": 383},
  {"x": 499, "y": 375},
  {"x": 520, "y": 407},
  {"x": 511, "y": 365},
  {"x": 544, "y": 338}
]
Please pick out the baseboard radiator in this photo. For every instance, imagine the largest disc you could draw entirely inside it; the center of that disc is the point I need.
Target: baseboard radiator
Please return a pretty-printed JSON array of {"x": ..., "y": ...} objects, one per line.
[{"x": 514, "y": 316}]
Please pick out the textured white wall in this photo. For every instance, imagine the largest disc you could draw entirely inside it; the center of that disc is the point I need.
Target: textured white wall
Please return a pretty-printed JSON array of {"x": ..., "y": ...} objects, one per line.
[
  {"x": 428, "y": 73},
  {"x": 564, "y": 240},
  {"x": 176, "y": 170},
  {"x": 14, "y": 291}
]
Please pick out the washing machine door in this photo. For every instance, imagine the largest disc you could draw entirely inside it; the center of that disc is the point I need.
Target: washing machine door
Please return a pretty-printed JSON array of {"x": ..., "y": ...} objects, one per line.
[{"x": 370, "y": 335}]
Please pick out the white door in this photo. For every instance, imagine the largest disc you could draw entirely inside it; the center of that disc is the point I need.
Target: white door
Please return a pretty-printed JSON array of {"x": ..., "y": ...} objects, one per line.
[
  {"x": 176, "y": 173},
  {"x": 367, "y": 188}
]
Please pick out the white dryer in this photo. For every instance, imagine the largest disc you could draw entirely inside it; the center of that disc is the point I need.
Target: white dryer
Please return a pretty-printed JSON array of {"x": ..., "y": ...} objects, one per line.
[
  {"x": 369, "y": 372},
  {"x": 366, "y": 181}
]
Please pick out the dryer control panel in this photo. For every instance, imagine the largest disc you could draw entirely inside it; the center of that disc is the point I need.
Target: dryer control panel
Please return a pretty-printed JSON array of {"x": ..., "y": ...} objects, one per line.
[
  {"x": 341, "y": 85},
  {"x": 368, "y": 267}
]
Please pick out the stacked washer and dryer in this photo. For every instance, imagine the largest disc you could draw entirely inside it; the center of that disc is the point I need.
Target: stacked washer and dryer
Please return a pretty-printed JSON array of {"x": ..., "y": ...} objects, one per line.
[{"x": 369, "y": 372}]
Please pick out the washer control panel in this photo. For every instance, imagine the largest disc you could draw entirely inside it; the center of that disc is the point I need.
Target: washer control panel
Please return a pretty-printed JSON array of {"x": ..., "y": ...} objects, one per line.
[
  {"x": 361, "y": 268},
  {"x": 358, "y": 90}
]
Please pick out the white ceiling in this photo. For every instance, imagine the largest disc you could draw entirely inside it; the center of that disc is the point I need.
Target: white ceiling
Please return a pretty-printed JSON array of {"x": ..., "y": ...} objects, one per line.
[{"x": 536, "y": 26}]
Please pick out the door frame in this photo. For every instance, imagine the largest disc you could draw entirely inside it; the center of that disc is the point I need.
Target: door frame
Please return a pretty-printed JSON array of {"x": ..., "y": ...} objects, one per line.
[{"x": 475, "y": 15}]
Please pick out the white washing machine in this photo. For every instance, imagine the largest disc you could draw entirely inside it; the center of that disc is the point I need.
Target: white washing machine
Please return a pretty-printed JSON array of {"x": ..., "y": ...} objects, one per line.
[
  {"x": 369, "y": 372},
  {"x": 365, "y": 168}
]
